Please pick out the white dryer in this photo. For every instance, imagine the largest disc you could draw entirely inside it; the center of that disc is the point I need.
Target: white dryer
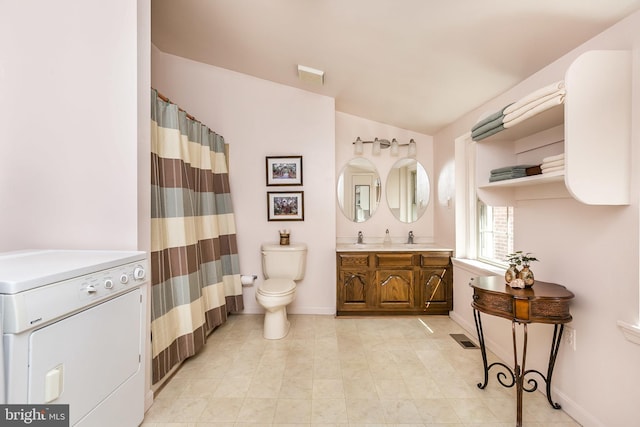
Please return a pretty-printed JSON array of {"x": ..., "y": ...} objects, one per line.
[{"x": 73, "y": 328}]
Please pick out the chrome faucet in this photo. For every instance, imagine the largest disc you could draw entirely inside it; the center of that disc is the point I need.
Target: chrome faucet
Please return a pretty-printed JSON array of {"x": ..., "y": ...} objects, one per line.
[
  {"x": 410, "y": 239},
  {"x": 360, "y": 237}
]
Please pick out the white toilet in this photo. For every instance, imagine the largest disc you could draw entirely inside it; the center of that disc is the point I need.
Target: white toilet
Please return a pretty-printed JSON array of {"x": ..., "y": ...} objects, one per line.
[{"x": 281, "y": 266}]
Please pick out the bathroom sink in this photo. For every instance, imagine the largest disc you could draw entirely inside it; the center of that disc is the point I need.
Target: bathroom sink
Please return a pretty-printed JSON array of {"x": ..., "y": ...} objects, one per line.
[
  {"x": 358, "y": 246},
  {"x": 417, "y": 246}
]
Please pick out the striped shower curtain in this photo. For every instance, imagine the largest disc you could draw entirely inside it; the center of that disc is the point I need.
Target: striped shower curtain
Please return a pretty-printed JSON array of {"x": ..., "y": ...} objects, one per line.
[{"x": 194, "y": 257}]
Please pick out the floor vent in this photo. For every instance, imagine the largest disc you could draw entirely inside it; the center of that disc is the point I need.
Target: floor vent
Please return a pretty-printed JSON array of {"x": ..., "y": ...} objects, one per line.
[{"x": 464, "y": 341}]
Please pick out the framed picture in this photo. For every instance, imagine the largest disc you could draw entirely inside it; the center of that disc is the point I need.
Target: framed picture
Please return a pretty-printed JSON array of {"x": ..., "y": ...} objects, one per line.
[
  {"x": 285, "y": 206},
  {"x": 284, "y": 170}
]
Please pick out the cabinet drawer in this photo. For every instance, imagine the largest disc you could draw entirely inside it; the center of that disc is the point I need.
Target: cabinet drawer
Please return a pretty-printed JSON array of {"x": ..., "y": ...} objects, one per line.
[
  {"x": 354, "y": 260},
  {"x": 435, "y": 259},
  {"x": 394, "y": 260},
  {"x": 494, "y": 303}
]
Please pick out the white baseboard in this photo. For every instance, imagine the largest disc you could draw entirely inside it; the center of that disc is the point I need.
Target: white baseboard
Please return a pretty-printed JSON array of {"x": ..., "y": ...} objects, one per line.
[
  {"x": 330, "y": 311},
  {"x": 148, "y": 400}
]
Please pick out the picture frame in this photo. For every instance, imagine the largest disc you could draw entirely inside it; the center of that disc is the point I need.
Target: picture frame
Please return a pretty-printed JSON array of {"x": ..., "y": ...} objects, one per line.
[
  {"x": 284, "y": 170},
  {"x": 285, "y": 205}
]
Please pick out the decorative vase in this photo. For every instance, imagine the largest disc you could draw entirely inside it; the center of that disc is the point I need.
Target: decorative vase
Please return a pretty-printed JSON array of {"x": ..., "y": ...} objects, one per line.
[
  {"x": 527, "y": 276},
  {"x": 511, "y": 273}
]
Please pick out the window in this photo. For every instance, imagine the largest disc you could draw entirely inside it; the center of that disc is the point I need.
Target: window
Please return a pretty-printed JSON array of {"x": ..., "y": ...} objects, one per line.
[
  {"x": 495, "y": 232},
  {"x": 483, "y": 232}
]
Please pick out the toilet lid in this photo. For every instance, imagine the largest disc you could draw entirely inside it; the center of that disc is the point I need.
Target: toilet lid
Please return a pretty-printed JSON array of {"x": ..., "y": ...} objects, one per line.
[{"x": 277, "y": 287}]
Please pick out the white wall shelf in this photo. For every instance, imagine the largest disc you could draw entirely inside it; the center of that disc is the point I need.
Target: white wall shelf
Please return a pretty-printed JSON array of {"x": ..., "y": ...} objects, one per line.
[
  {"x": 592, "y": 128},
  {"x": 630, "y": 332}
]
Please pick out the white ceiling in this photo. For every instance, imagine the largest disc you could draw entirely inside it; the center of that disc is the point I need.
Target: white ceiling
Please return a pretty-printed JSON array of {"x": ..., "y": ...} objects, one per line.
[{"x": 413, "y": 64}]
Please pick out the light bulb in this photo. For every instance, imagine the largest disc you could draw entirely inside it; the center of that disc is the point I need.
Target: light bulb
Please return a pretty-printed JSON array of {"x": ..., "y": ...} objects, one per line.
[
  {"x": 358, "y": 146},
  {"x": 412, "y": 148},
  {"x": 376, "y": 147},
  {"x": 394, "y": 147}
]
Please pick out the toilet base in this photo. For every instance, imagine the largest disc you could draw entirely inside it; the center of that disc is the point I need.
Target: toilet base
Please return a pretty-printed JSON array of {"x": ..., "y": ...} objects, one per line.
[{"x": 276, "y": 324}]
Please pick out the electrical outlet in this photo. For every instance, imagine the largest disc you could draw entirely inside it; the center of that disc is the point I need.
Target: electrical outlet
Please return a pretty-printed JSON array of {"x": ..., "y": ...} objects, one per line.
[{"x": 569, "y": 337}]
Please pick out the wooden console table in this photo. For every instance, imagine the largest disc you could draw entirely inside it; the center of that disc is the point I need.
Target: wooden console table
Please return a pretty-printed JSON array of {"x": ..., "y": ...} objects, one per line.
[{"x": 542, "y": 303}]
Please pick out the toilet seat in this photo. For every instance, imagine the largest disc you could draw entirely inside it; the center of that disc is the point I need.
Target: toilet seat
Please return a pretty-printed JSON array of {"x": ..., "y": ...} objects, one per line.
[{"x": 277, "y": 287}]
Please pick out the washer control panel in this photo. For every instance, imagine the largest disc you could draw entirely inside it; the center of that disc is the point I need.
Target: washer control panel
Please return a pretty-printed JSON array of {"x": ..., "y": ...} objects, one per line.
[
  {"x": 37, "y": 307},
  {"x": 113, "y": 281}
]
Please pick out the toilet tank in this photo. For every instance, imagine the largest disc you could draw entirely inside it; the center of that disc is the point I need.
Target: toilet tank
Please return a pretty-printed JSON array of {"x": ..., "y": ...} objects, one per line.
[{"x": 284, "y": 261}]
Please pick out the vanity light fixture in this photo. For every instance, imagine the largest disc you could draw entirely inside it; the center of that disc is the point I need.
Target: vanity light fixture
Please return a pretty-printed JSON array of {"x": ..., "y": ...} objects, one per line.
[
  {"x": 394, "y": 147},
  {"x": 380, "y": 144},
  {"x": 411, "y": 151},
  {"x": 358, "y": 147},
  {"x": 377, "y": 145}
]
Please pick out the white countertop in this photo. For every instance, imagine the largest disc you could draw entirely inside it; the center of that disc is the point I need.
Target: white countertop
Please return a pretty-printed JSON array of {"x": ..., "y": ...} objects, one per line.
[{"x": 393, "y": 247}]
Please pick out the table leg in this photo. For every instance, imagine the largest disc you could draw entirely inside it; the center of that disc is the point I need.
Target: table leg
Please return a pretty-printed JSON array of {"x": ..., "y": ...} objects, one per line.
[
  {"x": 483, "y": 350},
  {"x": 519, "y": 369},
  {"x": 553, "y": 354},
  {"x": 501, "y": 376}
]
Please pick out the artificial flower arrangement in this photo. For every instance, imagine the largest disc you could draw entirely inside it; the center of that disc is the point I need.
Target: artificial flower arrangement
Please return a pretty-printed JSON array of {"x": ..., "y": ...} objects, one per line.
[{"x": 519, "y": 278}]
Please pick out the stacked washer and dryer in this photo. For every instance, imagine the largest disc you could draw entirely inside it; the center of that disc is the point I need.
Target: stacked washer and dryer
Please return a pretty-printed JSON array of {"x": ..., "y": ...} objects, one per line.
[{"x": 73, "y": 332}]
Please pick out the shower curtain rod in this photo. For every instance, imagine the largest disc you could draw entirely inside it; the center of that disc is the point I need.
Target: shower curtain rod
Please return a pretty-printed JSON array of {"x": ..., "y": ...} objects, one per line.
[{"x": 165, "y": 99}]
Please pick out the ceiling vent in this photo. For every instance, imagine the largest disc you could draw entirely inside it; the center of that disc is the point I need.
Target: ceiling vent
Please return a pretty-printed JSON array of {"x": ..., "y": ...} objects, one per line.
[{"x": 310, "y": 75}]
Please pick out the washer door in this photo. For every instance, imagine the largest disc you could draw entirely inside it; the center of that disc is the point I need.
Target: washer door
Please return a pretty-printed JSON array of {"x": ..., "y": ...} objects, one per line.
[{"x": 83, "y": 359}]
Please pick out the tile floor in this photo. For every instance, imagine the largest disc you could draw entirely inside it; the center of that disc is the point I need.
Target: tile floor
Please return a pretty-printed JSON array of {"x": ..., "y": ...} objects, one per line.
[{"x": 373, "y": 371}]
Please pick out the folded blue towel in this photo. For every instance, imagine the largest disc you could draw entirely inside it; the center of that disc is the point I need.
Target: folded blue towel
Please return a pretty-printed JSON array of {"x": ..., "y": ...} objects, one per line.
[
  {"x": 488, "y": 133},
  {"x": 489, "y": 118},
  {"x": 488, "y": 126},
  {"x": 516, "y": 168}
]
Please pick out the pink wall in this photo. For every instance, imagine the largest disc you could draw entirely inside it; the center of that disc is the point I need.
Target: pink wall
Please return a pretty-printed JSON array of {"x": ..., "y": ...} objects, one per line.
[
  {"x": 348, "y": 128},
  {"x": 592, "y": 250},
  {"x": 68, "y": 153},
  {"x": 257, "y": 119}
]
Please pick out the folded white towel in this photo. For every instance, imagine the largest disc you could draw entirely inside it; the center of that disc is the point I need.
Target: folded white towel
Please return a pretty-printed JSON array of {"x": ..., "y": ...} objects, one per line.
[
  {"x": 553, "y": 169},
  {"x": 530, "y": 106},
  {"x": 549, "y": 89},
  {"x": 553, "y": 158},
  {"x": 547, "y": 165},
  {"x": 550, "y": 103}
]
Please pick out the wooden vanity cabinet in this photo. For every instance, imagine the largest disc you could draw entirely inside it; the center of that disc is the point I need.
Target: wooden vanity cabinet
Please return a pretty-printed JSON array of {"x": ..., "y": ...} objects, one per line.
[{"x": 394, "y": 283}]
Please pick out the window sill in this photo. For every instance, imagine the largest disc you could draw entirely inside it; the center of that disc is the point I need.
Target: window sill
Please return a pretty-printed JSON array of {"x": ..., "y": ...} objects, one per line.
[
  {"x": 479, "y": 267},
  {"x": 630, "y": 332}
]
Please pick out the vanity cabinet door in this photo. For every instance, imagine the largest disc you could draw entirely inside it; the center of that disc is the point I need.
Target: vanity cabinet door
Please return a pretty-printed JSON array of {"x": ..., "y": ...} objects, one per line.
[
  {"x": 436, "y": 287},
  {"x": 395, "y": 288},
  {"x": 355, "y": 291}
]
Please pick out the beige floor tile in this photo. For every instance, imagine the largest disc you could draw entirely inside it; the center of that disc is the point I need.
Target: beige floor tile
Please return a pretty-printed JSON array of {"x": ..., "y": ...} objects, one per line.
[
  {"x": 436, "y": 411},
  {"x": 293, "y": 411},
  {"x": 221, "y": 409},
  {"x": 199, "y": 388},
  {"x": 391, "y": 388},
  {"x": 337, "y": 372},
  {"x": 187, "y": 410},
  {"x": 364, "y": 411},
  {"x": 327, "y": 389},
  {"x": 259, "y": 410},
  {"x": 264, "y": 386},
  {"x": 326, "y": 368},
  {"x": 360, "y": 388},
  {"x": 233, "y": 387},
  {"x": 328, "y": 411},
  {"x": 472, "y": 410},
  {"x": 296, "y": 388},
  {"x": 400, "y": 411}
]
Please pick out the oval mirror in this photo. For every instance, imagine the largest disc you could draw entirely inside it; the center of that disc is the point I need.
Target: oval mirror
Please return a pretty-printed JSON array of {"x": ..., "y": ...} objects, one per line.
[
  {"x": 407, "y": 190},
  {"x": 359, "y": 189}
]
